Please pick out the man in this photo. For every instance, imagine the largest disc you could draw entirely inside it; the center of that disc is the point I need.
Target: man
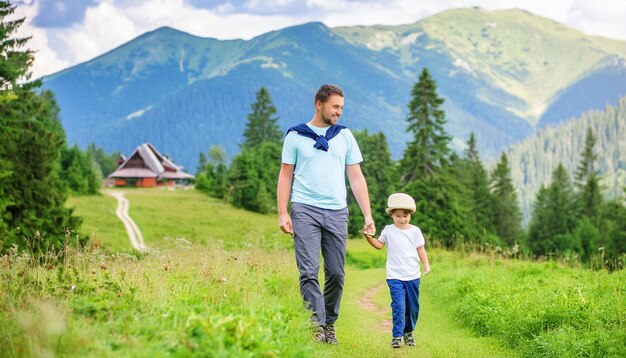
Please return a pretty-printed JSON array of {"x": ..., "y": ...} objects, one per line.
[{"x": 315, "y": 159}]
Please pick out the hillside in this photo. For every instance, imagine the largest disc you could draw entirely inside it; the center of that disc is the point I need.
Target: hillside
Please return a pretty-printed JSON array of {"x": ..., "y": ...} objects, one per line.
[
  {"x": 502, "y": 73},
  {"x": 534, "y": 160}
]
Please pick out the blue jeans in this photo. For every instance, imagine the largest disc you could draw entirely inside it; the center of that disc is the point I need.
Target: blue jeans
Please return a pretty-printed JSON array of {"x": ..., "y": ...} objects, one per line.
[{"x": 405, "y": 307}]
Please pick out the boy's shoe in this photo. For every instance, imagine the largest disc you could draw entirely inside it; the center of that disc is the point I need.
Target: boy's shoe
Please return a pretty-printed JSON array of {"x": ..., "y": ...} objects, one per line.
[
  {"x": 396, "y": 342},
  {"x": 319, "y": 335},
  {"x": 409, "y": 340},
  {"x": 329, "y": 332}
]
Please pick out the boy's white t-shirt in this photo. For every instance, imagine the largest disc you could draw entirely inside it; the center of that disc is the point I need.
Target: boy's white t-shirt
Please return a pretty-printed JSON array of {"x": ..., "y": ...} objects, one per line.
[{"x": 403, "y": 263}]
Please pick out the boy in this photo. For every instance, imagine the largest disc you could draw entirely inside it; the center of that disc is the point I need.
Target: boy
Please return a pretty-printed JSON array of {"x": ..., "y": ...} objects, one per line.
[{"x": 405, "y": 250}]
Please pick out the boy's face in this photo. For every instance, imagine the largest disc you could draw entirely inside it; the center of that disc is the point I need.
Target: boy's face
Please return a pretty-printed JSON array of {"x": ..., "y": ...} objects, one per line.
[{"x": 401, "y": 218}]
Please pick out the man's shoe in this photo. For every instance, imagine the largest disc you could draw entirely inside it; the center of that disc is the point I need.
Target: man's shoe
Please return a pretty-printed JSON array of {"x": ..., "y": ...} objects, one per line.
[
  {"x": 396, "y": 342},
  {"x": 409, "y": 340},
  {"x": 329, "y": 331},
  {"x": 319, "y": 335}
]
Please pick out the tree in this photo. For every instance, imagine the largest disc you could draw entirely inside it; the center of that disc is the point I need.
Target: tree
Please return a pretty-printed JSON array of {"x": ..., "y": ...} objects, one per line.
[
  {"x": 475, "y": 180},
  {"x": 553, "y": 216},
  {"x": 79, "y": 171},
  {"x": 37, "y": 195},
  {"x": 261, "y": 126},
  {"x": 216, "y": 173},
  {"x": 507, "y": 216},
  {"x": 202, "y": 162},
  {"x": 429, "y": 150},
  {"x": 31, "y": 140},
  {"x": 252, "y": 178},
  {"x": 589, "y": 197},
  {"x": 108, "y": 163},
  {"x": 15, "y": 62},
  {"x": 381, "y": 174},
  {"x": 425, "y": 170}
]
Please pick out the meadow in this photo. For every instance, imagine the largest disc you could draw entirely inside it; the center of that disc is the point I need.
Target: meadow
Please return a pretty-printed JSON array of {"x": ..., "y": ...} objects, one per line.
[{"x": 222, "y": 282}]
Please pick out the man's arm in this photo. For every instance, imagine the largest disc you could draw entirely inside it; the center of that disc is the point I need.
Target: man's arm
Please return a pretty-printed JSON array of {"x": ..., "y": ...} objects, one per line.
[
  {"x": 359, "y": 189},
  {"x": 283, "y": 192}
]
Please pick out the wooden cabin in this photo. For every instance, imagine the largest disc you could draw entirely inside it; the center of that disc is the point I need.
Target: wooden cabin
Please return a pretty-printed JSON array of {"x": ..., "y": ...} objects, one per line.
[{"x": 147, "y": 168}]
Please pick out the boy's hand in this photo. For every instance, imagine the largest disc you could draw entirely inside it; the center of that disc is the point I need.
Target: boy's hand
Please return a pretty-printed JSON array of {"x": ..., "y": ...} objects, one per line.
[{"x": 426, "y": 271}]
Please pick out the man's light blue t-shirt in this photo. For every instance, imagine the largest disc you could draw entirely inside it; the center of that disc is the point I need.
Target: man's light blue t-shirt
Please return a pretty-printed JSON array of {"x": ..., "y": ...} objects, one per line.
[{"x": 319, "y": 176}]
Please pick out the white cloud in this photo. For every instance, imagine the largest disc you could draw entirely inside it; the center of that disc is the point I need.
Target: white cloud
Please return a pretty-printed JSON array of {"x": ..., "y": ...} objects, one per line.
[
  {"x": 104, "y": 28},
  {"x": 111, "y": 23},
  {"x": 45, "y": 57}
]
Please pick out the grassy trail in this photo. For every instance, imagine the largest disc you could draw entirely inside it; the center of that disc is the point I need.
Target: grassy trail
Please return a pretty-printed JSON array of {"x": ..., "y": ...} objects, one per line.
[{"x": 365, "y": 331}]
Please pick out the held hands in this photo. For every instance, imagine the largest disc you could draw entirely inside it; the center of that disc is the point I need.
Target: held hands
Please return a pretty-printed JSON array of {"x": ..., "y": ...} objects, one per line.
[{"x": 369, "y": 229}]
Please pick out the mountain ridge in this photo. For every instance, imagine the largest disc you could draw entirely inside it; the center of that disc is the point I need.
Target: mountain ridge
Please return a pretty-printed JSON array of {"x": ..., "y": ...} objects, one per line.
[{"x": 167, "y": 85}]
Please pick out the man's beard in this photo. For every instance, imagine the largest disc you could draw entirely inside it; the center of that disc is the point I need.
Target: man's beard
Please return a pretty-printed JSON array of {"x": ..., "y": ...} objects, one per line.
[{"x": 329, "y": 120}]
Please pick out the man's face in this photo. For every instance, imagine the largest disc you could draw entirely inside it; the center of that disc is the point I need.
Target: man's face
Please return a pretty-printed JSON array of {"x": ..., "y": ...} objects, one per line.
[{"x": 330, "y": 110}]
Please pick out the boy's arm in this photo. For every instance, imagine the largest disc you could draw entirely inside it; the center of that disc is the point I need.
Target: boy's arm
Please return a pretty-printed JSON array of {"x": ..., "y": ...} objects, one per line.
[
  {"x": 374, "y": 242},
  {"x": 421, "y": 252}
]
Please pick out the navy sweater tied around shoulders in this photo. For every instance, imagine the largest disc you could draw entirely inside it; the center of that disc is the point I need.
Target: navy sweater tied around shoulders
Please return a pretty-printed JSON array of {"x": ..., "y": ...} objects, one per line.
[{"x": 321, "y": 141}]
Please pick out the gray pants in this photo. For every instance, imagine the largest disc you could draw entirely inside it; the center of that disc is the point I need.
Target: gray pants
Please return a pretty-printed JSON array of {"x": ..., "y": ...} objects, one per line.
[{"x": 316, "y": 228}]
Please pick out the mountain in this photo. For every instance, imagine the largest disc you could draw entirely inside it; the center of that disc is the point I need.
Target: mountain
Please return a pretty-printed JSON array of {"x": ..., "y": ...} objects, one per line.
[
  {"x": 503, "y": 74},
  {"x": 534, "y": 160}
]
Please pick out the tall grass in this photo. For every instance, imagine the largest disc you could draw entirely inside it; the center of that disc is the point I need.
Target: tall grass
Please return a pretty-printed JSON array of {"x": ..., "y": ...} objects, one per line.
[
  {"x": 190, "y": 300},
  {"x": 537, "y": 308}
]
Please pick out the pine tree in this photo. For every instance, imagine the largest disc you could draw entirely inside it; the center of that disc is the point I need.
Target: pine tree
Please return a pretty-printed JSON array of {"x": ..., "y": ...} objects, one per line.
[
  {"x": 553, "y": 216},
  {"x": 589, "y": 197},
  {"x": 474, "y": 177},
  {"x": 425, "y": 170},
  {"x": 261, "y": 126},
  {"x": 507, "y": 216},
  {"x": 15, "y": 62},
  {"x": 79, "y": 171},
  {"x": 31, "y": 140},
  {"x": 107, "y": 163},
  {"x": 202, "y": 162},
  {"x": 244, "y": 181},
  {"x": 216, "y": 173},
  {"x": 429, "y": 151},
  {"x": 381, "y": 174}
]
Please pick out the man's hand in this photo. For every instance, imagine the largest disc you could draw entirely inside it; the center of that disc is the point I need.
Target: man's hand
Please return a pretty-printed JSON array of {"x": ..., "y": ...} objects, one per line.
[
  {"x": 426, "y": 270},
  {"x": 284, "y": 221},
  {"x": 369, "y": 228}
]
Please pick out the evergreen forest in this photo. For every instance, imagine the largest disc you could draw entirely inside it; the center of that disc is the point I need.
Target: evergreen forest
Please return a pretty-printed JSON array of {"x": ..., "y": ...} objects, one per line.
[{"x": 461, "y": 204}]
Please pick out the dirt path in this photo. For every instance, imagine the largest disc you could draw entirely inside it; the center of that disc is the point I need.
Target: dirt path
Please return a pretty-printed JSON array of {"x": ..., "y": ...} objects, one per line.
[
  {"x": 367, "y": 301},
  {"x": 136, "y": 239}
]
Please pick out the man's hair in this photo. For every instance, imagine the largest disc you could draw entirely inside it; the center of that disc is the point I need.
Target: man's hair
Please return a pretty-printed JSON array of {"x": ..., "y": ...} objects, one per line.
[{"x": 326, "y": 91}]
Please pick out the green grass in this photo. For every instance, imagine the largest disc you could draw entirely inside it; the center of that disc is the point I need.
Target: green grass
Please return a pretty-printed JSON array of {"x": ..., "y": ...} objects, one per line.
[
  {"x": 219, "y": 281},
  {"x": 191, "y": 300},
  {"x": 437, "y": 333},
  {"x": 99, "y": 220},
  {"x": 164, "y": 215},
  {"x": 537, "y": 308}
]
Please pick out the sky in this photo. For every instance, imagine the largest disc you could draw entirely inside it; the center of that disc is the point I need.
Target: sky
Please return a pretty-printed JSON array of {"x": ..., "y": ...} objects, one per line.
[{"x": 66, "y": 33}]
